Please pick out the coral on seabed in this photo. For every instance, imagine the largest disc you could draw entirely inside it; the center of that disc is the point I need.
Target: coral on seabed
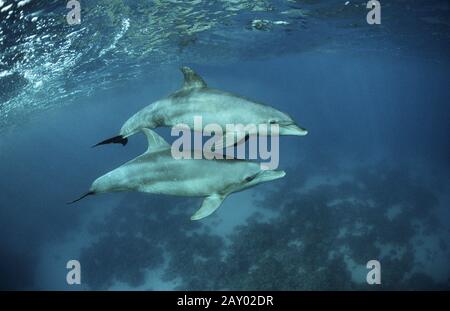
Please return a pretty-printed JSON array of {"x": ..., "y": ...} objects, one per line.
[{"x": 306, "y": 246}]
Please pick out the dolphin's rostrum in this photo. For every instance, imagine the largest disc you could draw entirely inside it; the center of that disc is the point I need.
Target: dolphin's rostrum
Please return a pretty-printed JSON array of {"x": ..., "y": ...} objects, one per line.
[
  {"x": 195, "y": 98},
  {"x": 156, "y": 171}
]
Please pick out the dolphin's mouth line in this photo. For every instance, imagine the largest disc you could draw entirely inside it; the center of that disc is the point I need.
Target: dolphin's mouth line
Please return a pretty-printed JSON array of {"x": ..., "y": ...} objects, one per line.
[
  {"x": 285, "y": 123},
  {"x": 290, "y": 128}
]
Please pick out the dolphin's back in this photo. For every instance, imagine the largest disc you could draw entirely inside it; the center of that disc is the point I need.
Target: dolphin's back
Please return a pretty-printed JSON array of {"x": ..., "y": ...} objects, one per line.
[{"x": 214, "y": 106}]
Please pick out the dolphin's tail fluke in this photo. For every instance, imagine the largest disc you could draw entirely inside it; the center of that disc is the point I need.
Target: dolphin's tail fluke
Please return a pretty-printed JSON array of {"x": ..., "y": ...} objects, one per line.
[
  {"x": 82, "y": 197},
  {"x": 114, "y": 140}
]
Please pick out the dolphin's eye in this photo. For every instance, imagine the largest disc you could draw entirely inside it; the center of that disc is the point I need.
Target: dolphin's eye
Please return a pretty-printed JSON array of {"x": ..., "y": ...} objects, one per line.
[
  {"x": 272, "y": 121},
  {"x": 250, "y": 178}
]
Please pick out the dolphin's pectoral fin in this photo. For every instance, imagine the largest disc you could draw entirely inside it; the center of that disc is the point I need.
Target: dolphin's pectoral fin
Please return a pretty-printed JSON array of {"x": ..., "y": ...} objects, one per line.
[
  {"x": 191, "y": 79},
  {"x": 155, "y": 142},
  {"x": 231, "y": 139},
  {"x": 114, "y": 140},
  {"x": 209, "y": 205},
  {"x": 243, "y": 140}
]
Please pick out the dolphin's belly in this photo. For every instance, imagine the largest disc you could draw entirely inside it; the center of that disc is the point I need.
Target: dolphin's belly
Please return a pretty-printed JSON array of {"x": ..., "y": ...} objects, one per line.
[
  {"x": 182, "y": 187},
  {"x": 184, "y": 177}
]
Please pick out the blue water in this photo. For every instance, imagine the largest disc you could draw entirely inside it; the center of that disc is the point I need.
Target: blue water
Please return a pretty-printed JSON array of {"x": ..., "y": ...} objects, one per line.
[{"x": 369, "y": 182}]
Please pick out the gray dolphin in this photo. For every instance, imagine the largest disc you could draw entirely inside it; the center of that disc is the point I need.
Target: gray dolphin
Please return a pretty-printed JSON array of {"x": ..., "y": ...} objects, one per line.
[
  {"x": 195, "y": 98},
  {"x": 156, "y": 171}
]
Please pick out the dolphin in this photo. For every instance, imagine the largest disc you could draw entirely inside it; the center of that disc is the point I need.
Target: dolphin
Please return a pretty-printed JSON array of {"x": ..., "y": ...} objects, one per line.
[
  {"x": 195, "y": 98},
  {"x": 156, "y": 171}
]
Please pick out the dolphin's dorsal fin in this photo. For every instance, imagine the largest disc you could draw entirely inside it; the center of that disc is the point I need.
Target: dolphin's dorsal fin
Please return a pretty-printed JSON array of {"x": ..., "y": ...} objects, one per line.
[
  {"x": 209, "y": 205},
  {"x": 155, "y": 142},
  {"x": 191, "y": 79}
]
